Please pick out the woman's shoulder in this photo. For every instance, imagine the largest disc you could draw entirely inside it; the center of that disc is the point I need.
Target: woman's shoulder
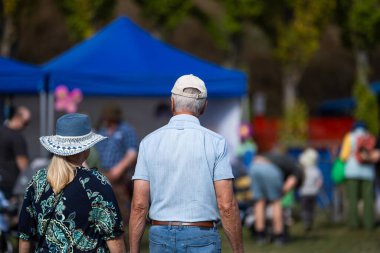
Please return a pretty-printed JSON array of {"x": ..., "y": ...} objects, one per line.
[
  {"x": 39, "y": 177},
  {"x": 94, "y": 176}
]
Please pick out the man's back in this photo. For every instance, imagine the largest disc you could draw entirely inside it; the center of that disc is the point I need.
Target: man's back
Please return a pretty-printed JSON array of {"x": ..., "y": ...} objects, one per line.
[
  {"x": 181, "y": 161},
  {"x": 12, "y": 144},
  {"x": 183, "y": 178}
]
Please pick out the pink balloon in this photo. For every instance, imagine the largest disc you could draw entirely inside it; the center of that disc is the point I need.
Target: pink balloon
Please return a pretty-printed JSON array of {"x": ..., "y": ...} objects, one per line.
[{"x": 67, "y": 101}]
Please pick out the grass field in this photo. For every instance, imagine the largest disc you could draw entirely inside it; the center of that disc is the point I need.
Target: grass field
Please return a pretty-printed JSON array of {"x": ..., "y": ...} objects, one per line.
[{"x": 325, "y": 238}]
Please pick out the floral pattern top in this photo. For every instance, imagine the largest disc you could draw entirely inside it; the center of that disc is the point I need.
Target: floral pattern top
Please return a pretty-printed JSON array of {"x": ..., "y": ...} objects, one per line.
[{"x": 86, "y": 214}]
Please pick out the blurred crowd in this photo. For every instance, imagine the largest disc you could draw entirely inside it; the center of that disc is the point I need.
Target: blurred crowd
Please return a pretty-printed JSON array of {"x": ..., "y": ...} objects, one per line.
[{"x": 269, "y": 184}]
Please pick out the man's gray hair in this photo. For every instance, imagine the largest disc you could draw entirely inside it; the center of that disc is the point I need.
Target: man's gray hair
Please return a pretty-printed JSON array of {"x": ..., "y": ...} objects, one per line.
[{"x": 193, "y": 105}]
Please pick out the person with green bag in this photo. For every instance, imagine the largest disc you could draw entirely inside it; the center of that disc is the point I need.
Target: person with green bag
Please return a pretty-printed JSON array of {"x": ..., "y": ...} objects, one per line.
[{"x": 359, "y": 178}]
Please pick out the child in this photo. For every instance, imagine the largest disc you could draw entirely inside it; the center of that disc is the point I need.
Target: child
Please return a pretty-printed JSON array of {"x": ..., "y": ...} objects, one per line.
[{"x": 310, "y": 187}]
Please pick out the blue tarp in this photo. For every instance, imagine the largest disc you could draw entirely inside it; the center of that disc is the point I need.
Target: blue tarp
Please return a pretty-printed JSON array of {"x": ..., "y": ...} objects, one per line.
[
  {"x": 17, "y": 77},
  {"x": 344, "y": 106},
  {"x": 123, "y": 59}
]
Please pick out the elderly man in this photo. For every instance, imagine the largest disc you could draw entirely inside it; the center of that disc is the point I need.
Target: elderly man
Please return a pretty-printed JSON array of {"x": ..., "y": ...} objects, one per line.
[
  {"x": 13, "y": 148},
  {"x": 184, "y": 172}
]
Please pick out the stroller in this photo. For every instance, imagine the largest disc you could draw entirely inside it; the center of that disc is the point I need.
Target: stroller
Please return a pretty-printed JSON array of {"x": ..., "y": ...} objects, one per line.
[
  {"x": 243, "y": 193},
  {"x": 7, "y": 211}
]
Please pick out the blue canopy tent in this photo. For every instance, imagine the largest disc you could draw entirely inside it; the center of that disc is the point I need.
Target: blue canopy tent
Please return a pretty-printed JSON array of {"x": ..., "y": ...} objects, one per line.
[
  {"x": 344, "y": 106},
  {"x": 20, "y": 78},
  {"x": 124, "y": 60},
  {"x": 335, "y": 107}
]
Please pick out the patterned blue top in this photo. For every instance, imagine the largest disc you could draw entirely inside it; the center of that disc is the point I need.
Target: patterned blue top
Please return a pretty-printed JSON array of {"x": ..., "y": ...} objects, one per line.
[
  {"x": 113, "y": 149},
  {"x": 86, "y": 214},
  {"x": 181, "y": 161}
]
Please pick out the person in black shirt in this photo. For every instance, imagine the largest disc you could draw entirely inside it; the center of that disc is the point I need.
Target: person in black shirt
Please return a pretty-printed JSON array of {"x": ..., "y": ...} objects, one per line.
[{"x": 13, "y": 149}]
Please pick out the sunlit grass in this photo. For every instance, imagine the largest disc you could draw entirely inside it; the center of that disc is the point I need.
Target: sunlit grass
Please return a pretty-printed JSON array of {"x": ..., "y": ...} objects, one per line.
[{"x": 325, "y": 238}]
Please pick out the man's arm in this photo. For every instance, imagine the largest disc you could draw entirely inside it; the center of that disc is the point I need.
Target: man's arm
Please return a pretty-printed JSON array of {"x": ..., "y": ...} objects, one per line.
[
  {"x": 289, "y": 184},
  {"x": 229, "y": 213},
  {"x": 128, "y": 159},
  {"x": 22, "y": 162},
  {"x": 139, "y": 211}
]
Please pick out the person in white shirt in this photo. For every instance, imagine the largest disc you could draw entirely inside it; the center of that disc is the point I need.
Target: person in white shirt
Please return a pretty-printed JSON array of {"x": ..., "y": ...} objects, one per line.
[{"x": 310, "y": 186}]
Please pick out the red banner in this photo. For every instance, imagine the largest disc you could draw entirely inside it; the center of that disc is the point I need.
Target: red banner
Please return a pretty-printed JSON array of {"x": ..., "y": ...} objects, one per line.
[{"x": 322, "y": 131}]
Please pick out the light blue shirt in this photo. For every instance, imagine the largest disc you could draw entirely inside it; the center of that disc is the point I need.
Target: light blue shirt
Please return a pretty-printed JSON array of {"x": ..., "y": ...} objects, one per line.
[
  {"x": 181, "y": 161},
  {"x": 354, "y": 169}
]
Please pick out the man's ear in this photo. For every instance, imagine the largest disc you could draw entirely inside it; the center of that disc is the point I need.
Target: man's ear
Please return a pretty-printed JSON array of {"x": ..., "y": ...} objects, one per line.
[
  {"x": 172, "y": 105},
  {"x": 203, "y": 108}
]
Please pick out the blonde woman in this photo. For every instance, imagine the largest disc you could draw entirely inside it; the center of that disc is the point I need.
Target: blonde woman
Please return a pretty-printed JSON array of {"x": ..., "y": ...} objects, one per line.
[{"x": 67, "y": 207}]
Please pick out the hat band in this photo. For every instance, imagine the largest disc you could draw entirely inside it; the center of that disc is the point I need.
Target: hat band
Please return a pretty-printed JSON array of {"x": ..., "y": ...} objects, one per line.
[{"x": 70, "y": 139}]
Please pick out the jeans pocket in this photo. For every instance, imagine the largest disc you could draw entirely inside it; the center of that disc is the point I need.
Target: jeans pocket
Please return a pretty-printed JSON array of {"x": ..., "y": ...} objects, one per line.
[
  {"x": 206, "y": 247},
  {"x": 156, "y": 247}
]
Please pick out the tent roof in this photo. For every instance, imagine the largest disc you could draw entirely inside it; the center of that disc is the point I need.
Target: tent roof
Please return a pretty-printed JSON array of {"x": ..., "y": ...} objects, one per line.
[
  {"x": 123, "y": 59},
  {"x": 17, "y": 77},
  {"x": 344, "y": 106}
]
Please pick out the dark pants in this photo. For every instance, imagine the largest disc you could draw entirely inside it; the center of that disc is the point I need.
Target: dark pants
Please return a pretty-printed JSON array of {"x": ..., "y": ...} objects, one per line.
[
  {"x": 356, "y": 190},
  {"x": 308, "y": 206}
]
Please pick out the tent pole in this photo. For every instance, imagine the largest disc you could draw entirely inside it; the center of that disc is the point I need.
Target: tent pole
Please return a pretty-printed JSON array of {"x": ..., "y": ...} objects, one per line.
[
  {"x": 43, "y": 152},
  {"x": 50, "y": 108}
]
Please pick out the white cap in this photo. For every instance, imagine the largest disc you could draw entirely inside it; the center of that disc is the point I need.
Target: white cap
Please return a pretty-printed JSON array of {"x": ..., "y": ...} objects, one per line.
[{"x": 190, "y": 81}]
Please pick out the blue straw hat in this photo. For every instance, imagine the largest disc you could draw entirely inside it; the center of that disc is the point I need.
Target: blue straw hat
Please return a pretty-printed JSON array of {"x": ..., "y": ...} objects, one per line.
[{"x": 73, "y": 135}]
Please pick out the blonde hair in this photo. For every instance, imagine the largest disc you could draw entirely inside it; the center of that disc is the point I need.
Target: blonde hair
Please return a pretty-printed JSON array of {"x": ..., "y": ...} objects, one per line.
[{"x": 60, "y": 173}]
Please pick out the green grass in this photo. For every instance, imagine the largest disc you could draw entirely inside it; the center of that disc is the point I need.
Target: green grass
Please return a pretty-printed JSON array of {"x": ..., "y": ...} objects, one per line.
[{"x": 325, "y": 238}]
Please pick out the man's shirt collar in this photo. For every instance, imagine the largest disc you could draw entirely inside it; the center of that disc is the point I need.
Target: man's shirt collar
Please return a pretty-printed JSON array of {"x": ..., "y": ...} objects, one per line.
[{"x": 184, "y": 117}]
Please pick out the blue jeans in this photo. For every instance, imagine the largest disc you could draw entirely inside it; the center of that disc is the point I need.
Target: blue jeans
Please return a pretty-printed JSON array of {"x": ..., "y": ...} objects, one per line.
[{"x": 183, "y": 239}]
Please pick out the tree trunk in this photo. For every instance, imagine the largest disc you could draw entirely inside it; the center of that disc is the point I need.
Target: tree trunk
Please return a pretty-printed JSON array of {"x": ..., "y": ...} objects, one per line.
[
  {"x": 6, "y": 42},
  {"x": 290, "y": 80},
  {"x": 362, "y": 67}
]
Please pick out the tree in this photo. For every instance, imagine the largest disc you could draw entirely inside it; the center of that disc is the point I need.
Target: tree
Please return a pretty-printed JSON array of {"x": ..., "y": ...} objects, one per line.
[
  {"x": 367, "y": 109},
  {"x": 294, "y": 28},
  {"x": 167, "y": 14},
  {"x": 9, "y": 10},
  {"x": 360, "y": 23},
  {"x": 294, "y": 125},
  {"x": 83, "y": 16}
]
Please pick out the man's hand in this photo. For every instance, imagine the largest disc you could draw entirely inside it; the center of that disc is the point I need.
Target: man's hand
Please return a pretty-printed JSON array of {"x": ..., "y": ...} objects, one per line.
[
  {"x": 229, "y": 213},
  {"x": 116, "y": 245},
  {"x": 117, "y": 171},
  {"x": 139, "y": 211},
  {"x": 114, "y": 174}
]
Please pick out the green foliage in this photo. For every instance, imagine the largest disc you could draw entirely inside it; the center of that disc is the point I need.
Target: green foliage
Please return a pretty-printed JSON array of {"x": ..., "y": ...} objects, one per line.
[
  {"x": 82, "y": 16},
  {"x": 298, "y": 39},
  {"x": 9, "y": 7},
  {"x": 360, "y": 22},
  {"x": 367, "y": 109},
  {"x": 238, "y": 12},
  {"x": 294, "y": 125},
  {"x": 166, "y": 13}
]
